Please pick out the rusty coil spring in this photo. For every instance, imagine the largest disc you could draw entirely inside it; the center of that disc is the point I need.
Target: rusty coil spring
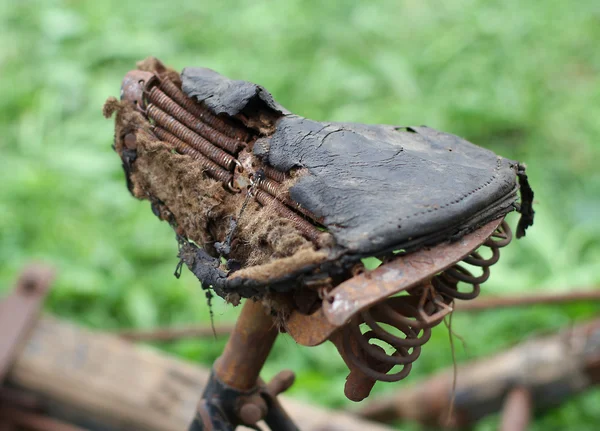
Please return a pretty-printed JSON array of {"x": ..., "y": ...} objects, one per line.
[
  {"x": 414, "y": 315},
  {"x": 275, "y": 189},
  {"x": 306, "y": 228},
  {"x": 228, "y": 128},
  {"x": 399, "y": 312},
  {"x": 167, "y": 122},
  {"x": 161, "y": 100},
  {"x": 211, "y": 167},
  {"x": 274, "y": 174},
  {"x": 448, "y": 281}
]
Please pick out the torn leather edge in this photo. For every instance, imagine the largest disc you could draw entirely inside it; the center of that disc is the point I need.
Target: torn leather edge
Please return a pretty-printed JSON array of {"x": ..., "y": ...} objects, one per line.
[
  {"x": 526, "y": 206},
  {"x": 208, "y": 270},
  {"x": 223, "y": 95}
]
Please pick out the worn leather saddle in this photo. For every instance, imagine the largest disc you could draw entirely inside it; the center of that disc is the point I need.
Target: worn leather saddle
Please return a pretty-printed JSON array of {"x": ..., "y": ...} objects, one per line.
[{"x": 263, "y": 200}]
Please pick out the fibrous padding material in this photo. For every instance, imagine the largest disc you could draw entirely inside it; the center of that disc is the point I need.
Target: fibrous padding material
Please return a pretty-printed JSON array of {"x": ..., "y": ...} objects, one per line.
[{"x": 198, "y": 207}]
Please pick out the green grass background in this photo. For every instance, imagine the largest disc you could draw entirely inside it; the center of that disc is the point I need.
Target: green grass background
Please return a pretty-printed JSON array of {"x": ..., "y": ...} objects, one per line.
[{"x": 521, "y": 78}]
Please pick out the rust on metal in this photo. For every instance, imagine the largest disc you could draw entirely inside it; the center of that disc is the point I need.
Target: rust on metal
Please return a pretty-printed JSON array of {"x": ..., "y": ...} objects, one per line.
[
  {"x": 161, "y": 100},
  {"x": 394, "y": 312},
  {"x": 255, "y": 407},
  {"x": 247, "y": 348},
  {"x": 208, "y": 165},
  {"x": 214, "y": 142},
  {"x": 370, "y": 287},
  {"x": 275, "y": 189},
  {"x": 282, "y": 381},
  {"x": 358, "y": 385},
  {"x": 369, "y": 363},
  {"x": 306, "y": 228},
  {"x": 133, "y": 87},
  {"x": 314, "y": 329},
  {"x": 309, "y": 330},
  {"x": 229, "y": 128},
  {"x": 412, "y": 316},
  {"x": 19, "y": 310},
  {"x": 259, "y": 175},
  {"x": 245, "y": 172},
  {"x": 432, "y": 287},
  {"x": 553, "y": 368},
  {"x": 211, "y": 151},
  {"x": 274, "y": 174}
]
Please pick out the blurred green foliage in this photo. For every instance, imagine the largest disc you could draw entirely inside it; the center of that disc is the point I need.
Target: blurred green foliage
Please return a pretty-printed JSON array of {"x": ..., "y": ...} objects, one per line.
[{"x": 522, "y": 78}]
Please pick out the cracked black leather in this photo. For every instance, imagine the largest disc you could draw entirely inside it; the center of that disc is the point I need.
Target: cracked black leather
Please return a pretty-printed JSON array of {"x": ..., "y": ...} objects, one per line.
[
  {"x": 378, "y": 187},
  {"x": 381, "y": 187}
]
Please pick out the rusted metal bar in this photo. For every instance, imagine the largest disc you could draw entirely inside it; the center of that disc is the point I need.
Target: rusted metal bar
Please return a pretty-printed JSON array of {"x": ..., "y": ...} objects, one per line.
[
  {"x": 19, "y": 310},
  {"x": 174, "y": 334},
  {"x": 545, "y": 298},
  {"x": 247, "y": 348},
  {"x": 368, "y": 288},
  {"x": 402, "y": 273},
  {"x": 516, "y": 413},
  {"x": 235, "y": 394}
]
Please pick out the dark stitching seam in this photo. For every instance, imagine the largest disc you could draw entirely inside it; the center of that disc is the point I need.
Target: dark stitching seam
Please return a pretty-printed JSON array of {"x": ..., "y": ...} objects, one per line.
[{"x": 461, "y": 198}]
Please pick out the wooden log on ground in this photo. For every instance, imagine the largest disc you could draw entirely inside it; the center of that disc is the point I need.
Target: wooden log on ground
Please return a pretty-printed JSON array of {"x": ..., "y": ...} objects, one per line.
[{"x": 99, "y": 381}]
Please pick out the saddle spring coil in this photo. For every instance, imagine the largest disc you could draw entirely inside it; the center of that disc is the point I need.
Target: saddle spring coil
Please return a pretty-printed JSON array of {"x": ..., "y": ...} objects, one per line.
[
  {"x": 414, "y": 315},
  {"x": 215, "y": 142}
]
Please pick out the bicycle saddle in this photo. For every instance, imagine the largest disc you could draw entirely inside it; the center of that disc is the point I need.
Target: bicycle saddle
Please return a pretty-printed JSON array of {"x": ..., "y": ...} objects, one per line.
[{"x": 263, "y": 200}]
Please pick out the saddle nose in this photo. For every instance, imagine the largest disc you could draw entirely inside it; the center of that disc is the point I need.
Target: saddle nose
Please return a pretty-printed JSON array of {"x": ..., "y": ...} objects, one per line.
[{"x": 133, "y": 86}]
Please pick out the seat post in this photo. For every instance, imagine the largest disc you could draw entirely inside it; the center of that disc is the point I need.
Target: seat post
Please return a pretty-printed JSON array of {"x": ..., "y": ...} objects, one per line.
[
  {"x": 235, "y": 394},
  {"x": 247, "y": 348}
]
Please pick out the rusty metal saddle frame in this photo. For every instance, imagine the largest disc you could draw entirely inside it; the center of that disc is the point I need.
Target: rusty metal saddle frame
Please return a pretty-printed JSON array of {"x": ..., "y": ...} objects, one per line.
[{"x": 237, "y": 396}]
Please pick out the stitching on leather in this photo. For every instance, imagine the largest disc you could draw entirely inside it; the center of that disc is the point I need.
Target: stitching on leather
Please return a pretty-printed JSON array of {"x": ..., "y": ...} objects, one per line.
[{"x": 487, "y": 183}]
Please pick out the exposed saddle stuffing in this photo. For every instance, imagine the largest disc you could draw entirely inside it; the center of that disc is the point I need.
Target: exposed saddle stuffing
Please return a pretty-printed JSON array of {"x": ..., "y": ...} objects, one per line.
[{"x": 266, "y": 201}]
